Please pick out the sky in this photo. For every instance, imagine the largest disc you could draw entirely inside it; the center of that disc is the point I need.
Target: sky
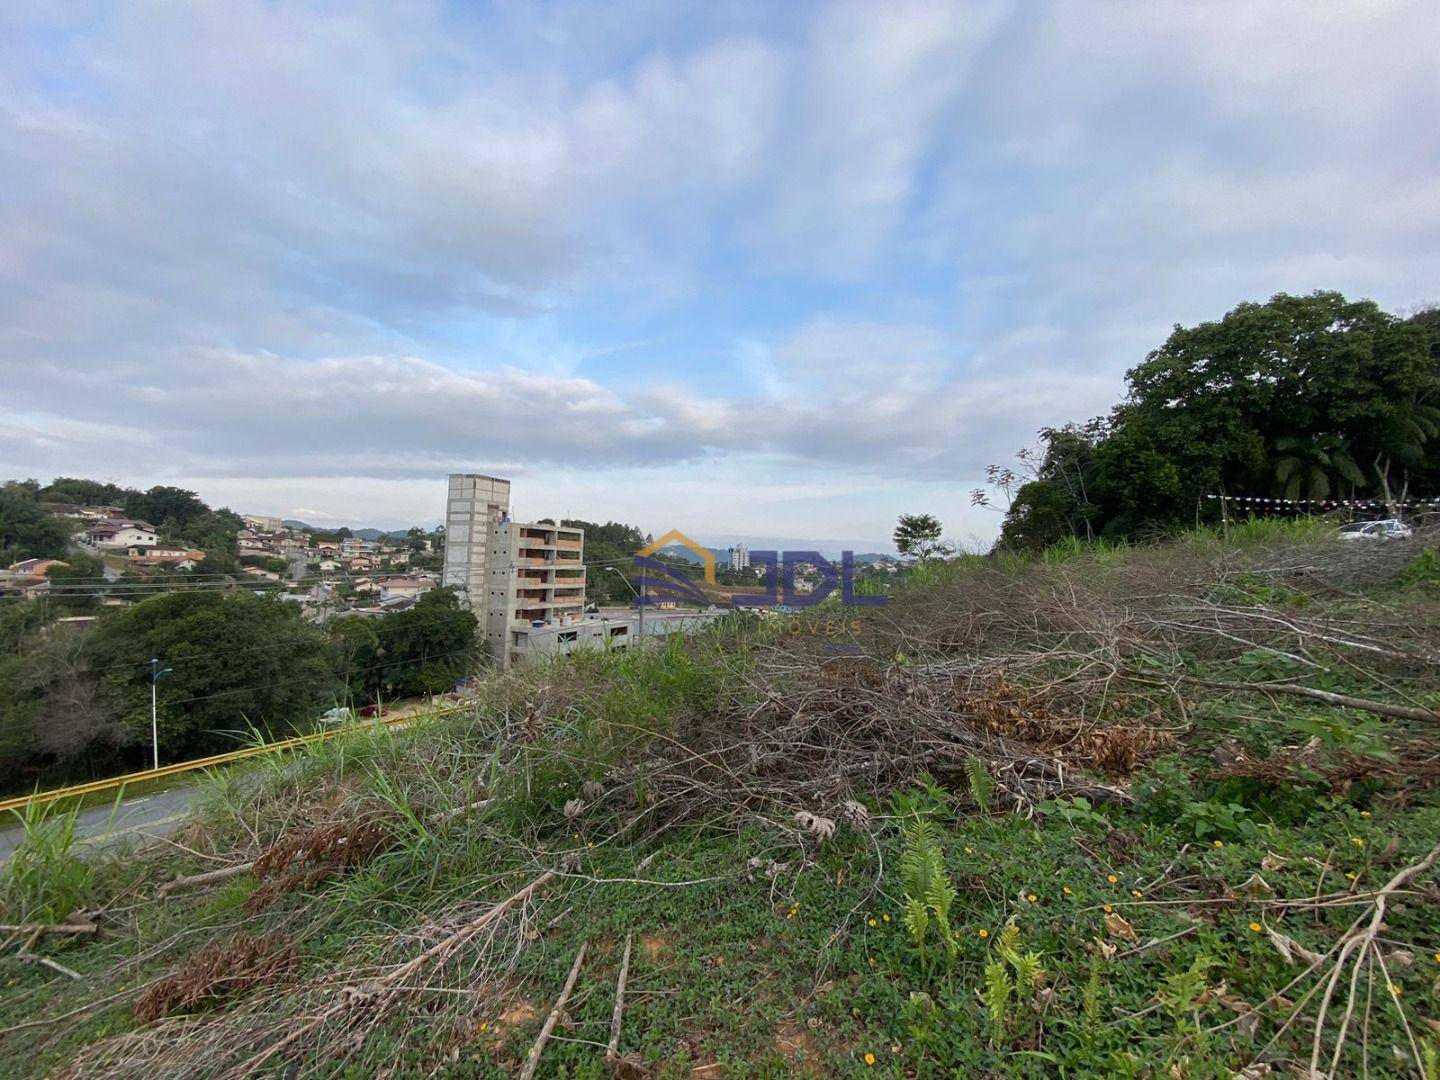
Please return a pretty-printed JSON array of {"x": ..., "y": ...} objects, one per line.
[{"x": 753, "y": 271}]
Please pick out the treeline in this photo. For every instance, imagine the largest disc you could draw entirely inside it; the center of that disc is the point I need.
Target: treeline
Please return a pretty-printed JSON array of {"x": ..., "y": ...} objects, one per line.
[
  {"x": 1313, "y": 397},
  {"x": 75, "y": 703},
  {"x": 181, "y": 517}
]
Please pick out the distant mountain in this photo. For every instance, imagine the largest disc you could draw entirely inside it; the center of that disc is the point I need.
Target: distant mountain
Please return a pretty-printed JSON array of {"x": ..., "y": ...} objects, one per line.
[
  {"x": 682, "y": 552},
  {"x": 363, "y": 534}
]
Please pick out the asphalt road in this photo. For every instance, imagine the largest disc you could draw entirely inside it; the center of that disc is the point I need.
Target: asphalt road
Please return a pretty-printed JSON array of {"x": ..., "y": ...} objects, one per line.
[{"x": 139, "y": 819}]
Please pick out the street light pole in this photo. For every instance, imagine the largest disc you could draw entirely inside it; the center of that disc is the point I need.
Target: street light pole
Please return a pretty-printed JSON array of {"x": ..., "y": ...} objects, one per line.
[
  {"x": 639, "y": 595},
  {"x": 156, "y": 671}
]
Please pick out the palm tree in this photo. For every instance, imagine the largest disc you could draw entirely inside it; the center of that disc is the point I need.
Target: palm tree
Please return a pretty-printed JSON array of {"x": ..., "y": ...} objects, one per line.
[{"x": 1308, "y": 464}]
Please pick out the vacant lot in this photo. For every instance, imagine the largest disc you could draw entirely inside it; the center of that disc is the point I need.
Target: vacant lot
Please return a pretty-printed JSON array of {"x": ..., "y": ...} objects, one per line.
[{"x": 1162, "y": 811}]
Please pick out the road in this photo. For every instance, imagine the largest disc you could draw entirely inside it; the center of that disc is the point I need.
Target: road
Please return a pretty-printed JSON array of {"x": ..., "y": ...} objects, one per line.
[{"x": 154, "y": 814}]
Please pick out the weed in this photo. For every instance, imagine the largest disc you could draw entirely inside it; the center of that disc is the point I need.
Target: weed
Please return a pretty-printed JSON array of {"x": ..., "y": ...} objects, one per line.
[
  {"x": 982, "y": 784},
  {"x": 927, "y": 888},
  {"x": 46, "y": 880}
]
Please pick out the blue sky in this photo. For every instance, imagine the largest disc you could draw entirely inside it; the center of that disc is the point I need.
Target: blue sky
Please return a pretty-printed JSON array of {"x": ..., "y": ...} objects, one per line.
[{"x": 750, "y": 270}]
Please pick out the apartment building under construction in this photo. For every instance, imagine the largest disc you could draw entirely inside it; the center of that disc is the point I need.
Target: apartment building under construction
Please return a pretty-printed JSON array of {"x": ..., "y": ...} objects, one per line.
[{"x": 536, "y": 584}]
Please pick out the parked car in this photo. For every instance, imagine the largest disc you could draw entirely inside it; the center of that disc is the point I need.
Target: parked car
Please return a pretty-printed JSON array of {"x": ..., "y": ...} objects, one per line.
[
  {"x": 1389, "y": 529},
  {"x": 338, "y": 715}
]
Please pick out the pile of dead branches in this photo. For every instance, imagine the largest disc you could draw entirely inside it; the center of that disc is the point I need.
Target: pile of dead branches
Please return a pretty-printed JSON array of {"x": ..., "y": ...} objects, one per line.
[{"x": 797, "y": 730}]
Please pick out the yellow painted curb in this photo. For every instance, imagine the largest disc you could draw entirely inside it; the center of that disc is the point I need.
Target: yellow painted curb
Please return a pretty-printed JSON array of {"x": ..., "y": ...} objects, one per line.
[{"x": 19, "y": 802}]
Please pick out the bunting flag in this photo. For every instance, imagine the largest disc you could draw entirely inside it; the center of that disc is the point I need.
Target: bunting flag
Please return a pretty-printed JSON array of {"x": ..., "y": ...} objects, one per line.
[{"x": 1331, "y": 504}]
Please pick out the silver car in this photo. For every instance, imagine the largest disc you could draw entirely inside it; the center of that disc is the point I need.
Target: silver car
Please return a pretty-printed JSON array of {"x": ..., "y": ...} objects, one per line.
[{"x": 1389, "y": 529}]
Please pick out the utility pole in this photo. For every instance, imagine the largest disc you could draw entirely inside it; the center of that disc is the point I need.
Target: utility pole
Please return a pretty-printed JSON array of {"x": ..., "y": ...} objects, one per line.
[{"x": 156, "y": 671}]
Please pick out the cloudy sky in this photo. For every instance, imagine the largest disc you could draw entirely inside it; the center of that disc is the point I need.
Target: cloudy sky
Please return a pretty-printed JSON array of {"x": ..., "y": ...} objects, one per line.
[{"x": 749, "y": 270}]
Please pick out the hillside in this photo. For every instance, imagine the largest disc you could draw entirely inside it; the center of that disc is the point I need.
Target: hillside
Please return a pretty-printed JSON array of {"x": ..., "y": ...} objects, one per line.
[{"x": 1160, "y": 811}]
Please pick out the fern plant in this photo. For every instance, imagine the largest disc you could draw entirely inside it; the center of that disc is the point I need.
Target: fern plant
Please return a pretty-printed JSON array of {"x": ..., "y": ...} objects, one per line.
[
  {"x": 927, "y": 887},
  {"x": 982, "y": 784},
  {"x": 1014, "y": 976},
  {"x": 999, "y": 988}
]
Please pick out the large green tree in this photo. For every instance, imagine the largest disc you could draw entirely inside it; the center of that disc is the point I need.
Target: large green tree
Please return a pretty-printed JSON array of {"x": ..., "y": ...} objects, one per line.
[
  {"x": 1300, "y": 397},
  {"x": 26, "y": 530},
  {"x": 424, "y": 650},
  {"x": 240, "y": 662}
]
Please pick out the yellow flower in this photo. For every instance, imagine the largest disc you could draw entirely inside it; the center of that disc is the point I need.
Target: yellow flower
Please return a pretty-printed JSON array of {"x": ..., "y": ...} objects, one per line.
[
  {"x": 874, "y": 923},
  {"x": 869, "y": 1059},
  {"x": 1364, "y": 813},
  {"x": 986, "y": 933},
  {"x": 589, "y": 843},
  {"x": 1106, "y": 908},
  {"x": 1031, "y": 897},
  {"x": 1066, "y": 890},
  {"x": 1111, "y": 878},
  {"x": 885, "y": 917},
  {"x": 1437, "y": 957},
  {"x": 1136, "y": 893},
  {"x": 1396, "y": 989},
  {"x": 1218, "y": 843},
  {"x": 484, "y": 1025},
  {"x": 1256, "y": 927},
  {"x": 969, "y": 851},
  {"x": 1357, "y": 841},
  {"x": 1350, "y": 874}
]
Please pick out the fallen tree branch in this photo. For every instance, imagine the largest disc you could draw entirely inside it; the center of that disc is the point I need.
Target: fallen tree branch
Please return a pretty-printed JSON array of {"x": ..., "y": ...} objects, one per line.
[
  {"x": 210, "y": 877},
  {"x": 45, "y": 961},
  {"x": 225, "y": 873},
  {"x": 439, "y": 950},
  {"x": 532, "y": 1060},
  {"x": 36, "y": 929},
  {"x": 612, "y": 1050},
  {"x": 1382, "y": 708}
]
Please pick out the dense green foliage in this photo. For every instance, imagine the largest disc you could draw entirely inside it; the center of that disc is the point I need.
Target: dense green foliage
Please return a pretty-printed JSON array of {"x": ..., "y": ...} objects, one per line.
[
  {"x": 27, "y": 531},
  {"x": 425, "y": 650},
  {"x": 1301, "y": 397},
  {"x": 240, "y": 661}
]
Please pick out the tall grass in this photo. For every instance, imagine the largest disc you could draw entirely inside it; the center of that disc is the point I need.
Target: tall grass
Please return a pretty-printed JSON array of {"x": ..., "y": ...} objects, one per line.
[{"x": 46, "y": 880}]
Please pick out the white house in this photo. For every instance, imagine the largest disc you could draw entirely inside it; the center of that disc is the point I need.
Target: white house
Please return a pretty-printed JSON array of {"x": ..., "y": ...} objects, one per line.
[
  {"x": 390, "y": 588},
  {"x": 118, "y": 534}
]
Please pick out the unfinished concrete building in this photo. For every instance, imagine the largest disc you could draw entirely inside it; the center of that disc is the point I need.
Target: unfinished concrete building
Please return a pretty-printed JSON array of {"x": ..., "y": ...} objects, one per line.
[
  {"x": 536, "y": 584},
  {"x": 475, "y": 505}
]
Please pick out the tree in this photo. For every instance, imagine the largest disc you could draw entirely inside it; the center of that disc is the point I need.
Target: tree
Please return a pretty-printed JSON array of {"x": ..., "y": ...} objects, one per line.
[
  {"x": 1313, "y": 467},
  {"x": 424, "y": 650},
  {"x": 54, "y": 725},
  {"x": 76, "y": 584},
  {"x": 26, "y": 530},
  {"x": 1301, "y": 394},
  {"x": 240, "y": 661},
  {"x": 918, "y": 535}
]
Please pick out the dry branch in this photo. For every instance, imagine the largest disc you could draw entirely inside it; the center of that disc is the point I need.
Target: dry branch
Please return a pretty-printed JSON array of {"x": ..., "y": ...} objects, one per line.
[
  {"x": 532, "y": 1060},
  {"x": 37, "y": 929},
  {"x": 398, "y": 976},
  {"x": 612, "y": 1050}
]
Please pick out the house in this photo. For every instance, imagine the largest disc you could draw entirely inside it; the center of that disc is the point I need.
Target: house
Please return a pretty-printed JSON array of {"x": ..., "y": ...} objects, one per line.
[
  {"x": 34, "y": 568},
  {"x": 160, "y": 558},
  {"x": 160, "y": 551},
  {"x": 390, "y": 588},
  {"x": 27, "y": 579},
  {"x": 117, "y": 534}
]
